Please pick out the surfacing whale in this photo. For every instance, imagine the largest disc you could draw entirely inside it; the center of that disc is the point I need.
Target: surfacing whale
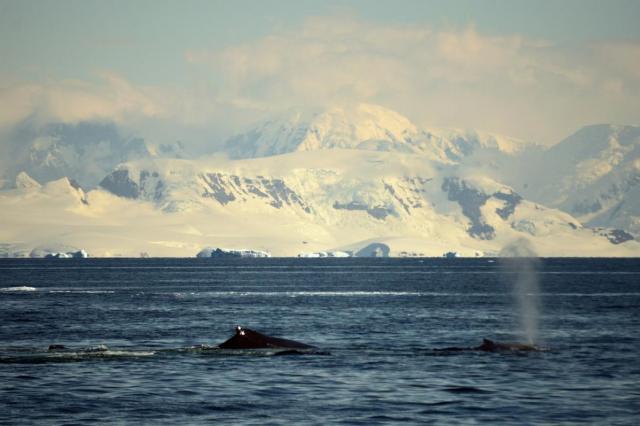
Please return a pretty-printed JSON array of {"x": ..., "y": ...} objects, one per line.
[
  {"x": 250, "y": 339},
  {"x": 491, "y": 346}
]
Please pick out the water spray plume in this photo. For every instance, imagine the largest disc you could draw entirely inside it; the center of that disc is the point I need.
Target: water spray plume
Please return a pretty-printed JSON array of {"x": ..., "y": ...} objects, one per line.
[{"x": 520, "y": 260}]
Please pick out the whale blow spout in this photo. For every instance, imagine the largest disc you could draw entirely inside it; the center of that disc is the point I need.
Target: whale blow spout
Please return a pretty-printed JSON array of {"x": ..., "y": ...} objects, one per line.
[
  {"x": 250, "y": 339},
  {"x": 520, "y": 262}
]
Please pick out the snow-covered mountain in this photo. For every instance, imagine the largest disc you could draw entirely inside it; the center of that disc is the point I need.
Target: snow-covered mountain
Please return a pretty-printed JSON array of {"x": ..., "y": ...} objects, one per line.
[
  {"x": 593, "y": 174},
  {"x": 299, "y": 202},
  {"x": 84, "y": 152},
  {"x": 360, "y": 180},
  {"x": 363, "y": 127}
]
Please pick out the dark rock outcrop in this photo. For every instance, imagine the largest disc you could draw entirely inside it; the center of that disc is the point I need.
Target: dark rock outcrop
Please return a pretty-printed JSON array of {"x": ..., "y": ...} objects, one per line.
[
  {"x": 119, "y": 183},
  {"x": 470, "y": 200},
  {"x": 226, "y": 188},
  {"x": 511, "y": 200}
]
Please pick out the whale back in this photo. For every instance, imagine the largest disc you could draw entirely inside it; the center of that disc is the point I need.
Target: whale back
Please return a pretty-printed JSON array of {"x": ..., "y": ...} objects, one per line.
[
  {"x": 491, "y": 346},
  {"x": 245, "y": 338}
]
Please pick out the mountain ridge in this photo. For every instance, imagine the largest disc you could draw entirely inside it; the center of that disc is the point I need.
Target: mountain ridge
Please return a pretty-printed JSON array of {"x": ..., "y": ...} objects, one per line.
[
  {"x": 362, "y": 126},
  {"x": 84, "y": 151},
  {"x": 346, "y": 180}
]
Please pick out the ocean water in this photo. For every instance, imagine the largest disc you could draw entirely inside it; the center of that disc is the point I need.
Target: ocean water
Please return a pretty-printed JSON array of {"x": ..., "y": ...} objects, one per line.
[{"x": 379, "y": 319}]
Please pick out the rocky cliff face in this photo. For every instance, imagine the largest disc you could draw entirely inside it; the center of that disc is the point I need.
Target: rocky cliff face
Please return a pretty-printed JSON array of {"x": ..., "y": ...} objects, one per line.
[{"x": 226, "y": 188}]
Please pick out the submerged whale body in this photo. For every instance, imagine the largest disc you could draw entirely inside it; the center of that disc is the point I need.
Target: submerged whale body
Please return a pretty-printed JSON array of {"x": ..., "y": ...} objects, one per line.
[
  {"x": 250, "y": 339},
  {"x": 491, "y": 346},
  {"x": 56, "y": 347}
]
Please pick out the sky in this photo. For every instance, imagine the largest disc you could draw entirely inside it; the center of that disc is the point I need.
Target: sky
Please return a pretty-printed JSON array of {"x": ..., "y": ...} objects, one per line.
[{"x": 203, "y": 70}]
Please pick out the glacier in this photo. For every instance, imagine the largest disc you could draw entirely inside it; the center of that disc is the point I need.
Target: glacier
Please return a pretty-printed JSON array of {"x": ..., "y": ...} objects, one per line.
[{"x": 360, "y": 180}]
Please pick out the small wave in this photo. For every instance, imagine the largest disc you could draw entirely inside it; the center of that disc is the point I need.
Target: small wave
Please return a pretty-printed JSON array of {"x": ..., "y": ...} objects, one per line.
[
  {"x": 464, "y": 389},
  {"x": 74, "y": 356},
  {"x": 97, "y": 348},
  {"x": 115, "y": 353},
  {"x": 257, "y": 352},
  {"x": 298, "y": 293},
  {"x": 19, "y": 288},
  {"x": 632, "y": 294},
  {"x": 351, "y": 293},
  {"x": 88, "y": 355},
  {"x": 83, "y": 291}
]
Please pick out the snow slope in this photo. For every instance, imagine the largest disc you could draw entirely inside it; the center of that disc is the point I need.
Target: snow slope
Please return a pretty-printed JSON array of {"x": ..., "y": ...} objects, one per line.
[
  {"x": 339, "y": 200},
  {"x": 364, "y": 127},
  {"x": 359, "y": 179},
  {"x": 594, "y": 174}
]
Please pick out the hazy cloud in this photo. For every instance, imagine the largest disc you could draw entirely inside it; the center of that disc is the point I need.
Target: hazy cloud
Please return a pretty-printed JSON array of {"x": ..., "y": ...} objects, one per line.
[
  {"x": 193, "y": 115},
  {"x": 113, "y": 98},
  {"x": 456, "y": 77}
]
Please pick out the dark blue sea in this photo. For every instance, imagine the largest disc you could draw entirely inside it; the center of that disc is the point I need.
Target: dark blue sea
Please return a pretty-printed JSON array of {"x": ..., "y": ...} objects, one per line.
[{"x": 134, "y": 330}]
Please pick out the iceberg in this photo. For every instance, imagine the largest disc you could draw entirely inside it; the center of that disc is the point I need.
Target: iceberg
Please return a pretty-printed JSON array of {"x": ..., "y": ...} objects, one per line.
[
  {"x": 80, "y": 254},
  {"x": 218, "y": 252},
  {"x": 325, "y": 254}
]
